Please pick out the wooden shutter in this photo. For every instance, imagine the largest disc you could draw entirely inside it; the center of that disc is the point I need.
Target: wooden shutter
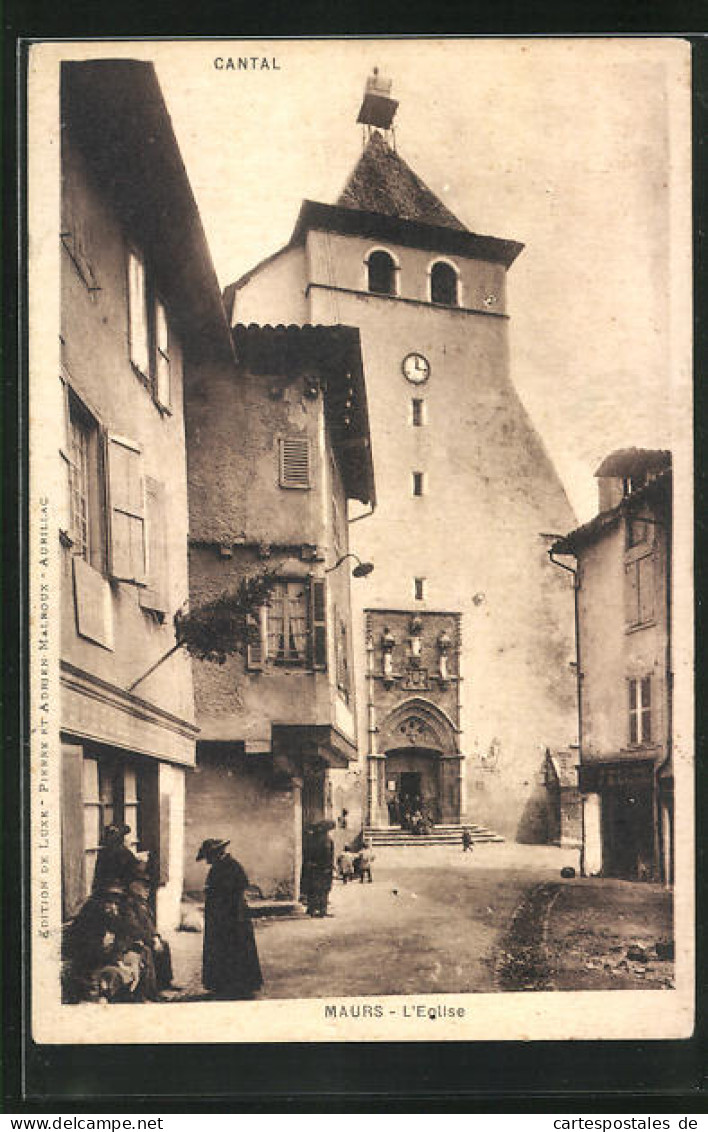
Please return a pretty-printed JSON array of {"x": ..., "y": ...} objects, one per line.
[
  {"x": 645, "y": 583},
  {"x": 155, "y": 595},
  {"x": 294, "y": 461},
  {"x": 631, "y": 593},
  {"x": 72, "y": 829},
  {"x": 318, "y": 623},
  {"x": 65, "y": 489},
  {"x": 127, "y": 510},
  {"x": 137, "y": 314},
  {"x": 256, "y": 647},
  {"x": 163, "y": 366}
]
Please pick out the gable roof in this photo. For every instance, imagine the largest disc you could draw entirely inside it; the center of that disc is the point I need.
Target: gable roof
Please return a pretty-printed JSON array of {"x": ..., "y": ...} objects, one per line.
[{"x": 382, "y": 182}]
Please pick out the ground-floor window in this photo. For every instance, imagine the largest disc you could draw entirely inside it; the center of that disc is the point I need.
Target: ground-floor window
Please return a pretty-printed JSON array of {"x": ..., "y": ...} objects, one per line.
[{"x": 111, "y": 794}]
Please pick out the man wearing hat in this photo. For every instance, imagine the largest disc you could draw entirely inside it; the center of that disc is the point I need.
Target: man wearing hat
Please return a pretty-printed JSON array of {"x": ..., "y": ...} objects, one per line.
[
  {"x": 230, "y": 965},
  {"x": 321, "y": 860}
]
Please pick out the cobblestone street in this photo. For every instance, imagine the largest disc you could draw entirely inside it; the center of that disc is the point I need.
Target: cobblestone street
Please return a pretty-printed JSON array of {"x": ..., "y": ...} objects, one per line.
[{"x": 430, "y": 923}]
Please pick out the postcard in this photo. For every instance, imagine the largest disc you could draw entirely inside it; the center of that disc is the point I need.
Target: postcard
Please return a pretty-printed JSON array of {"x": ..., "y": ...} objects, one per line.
[{"x": 360, "y": 387}]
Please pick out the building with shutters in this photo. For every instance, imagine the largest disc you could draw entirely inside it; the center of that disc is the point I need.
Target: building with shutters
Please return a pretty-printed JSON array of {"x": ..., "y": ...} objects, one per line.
[
  {"x": 467, "y": 495},
  {"x": 276, "y": 449},
  {"x": 622, "y": 577},
  {"x": 132, "y": 327}
]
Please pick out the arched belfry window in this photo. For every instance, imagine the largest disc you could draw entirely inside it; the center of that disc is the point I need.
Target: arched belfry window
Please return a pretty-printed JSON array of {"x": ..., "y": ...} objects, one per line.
[
  {"x": 444, "y": 285},
  {"x": 381, "y": 268}
]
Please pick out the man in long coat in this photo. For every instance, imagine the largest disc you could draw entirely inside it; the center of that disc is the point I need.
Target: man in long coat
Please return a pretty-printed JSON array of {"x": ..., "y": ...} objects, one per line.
[
  {"x": 230, "y": 962},
  {"x": 321, "y": 861}
]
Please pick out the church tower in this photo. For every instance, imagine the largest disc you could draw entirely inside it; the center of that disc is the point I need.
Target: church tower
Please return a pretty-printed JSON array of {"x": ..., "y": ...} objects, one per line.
[{"x": 463, "y": 632}]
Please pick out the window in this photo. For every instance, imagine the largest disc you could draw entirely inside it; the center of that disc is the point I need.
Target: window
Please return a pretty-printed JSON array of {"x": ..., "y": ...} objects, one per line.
[
  {"x": 342, "y": 656},
  {"x": 149, "y": 332},
  {"x": 636, "y": 532},
  {"x": 163, "y": 369},
  {"x": 111, "y": 794},
  {"x": 138, "y": 325},
  {"x": 443, "y": 285},
  {"x": 419, "y": 589},
  {"x": 639, "y": 591},
  {"x": 291, "y": 628},
  {"x": 418, "y": 483},
  {"x": 287, "y": 623},
  {"x": 81, "y": 449},
  {"x": 294, "y": 462},
  {"x": 381, "y": 273},
  {"x": 418, "y": 412},
  {"x": 639, "y": 711}
]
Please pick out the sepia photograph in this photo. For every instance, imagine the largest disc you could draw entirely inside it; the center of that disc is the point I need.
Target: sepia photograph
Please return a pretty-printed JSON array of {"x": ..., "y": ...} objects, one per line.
[{"x": 360, "y": 388}]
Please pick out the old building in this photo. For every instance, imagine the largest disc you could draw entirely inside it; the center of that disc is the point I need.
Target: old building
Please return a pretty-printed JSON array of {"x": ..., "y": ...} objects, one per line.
[
  {"x": 623, "y": 601},
  {"x": 466, "y": 491},
  {"x": 140, "y": 308},
  {"x": 276, "y": 449}
]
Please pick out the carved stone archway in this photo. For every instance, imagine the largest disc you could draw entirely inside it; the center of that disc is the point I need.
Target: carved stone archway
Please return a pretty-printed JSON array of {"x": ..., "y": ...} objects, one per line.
[{"x": 419, "y": 733}]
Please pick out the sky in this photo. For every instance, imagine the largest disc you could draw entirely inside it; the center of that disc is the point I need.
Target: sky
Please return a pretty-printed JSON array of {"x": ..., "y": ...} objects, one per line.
[{"x": 576, "y": 148}]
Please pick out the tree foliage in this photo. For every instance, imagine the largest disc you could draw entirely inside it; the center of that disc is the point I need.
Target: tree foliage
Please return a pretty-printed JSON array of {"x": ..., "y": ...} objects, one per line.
[{"x": 226, "y": 624}]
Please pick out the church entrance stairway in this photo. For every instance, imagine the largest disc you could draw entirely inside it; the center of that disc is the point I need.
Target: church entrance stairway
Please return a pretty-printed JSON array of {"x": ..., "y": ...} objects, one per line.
[{"x": 395, "y": 837}]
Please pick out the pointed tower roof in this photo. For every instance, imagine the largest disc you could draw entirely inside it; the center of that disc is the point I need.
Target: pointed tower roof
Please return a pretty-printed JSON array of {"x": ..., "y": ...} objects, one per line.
[{"x": 382, "y": 182}]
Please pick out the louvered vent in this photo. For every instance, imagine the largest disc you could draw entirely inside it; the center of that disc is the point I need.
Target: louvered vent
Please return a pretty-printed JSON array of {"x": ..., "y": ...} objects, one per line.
[{"x": 295, "y": 462}]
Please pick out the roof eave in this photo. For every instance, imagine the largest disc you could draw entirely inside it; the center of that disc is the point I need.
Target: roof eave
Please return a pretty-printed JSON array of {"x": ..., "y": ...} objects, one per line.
[{"x": 315, "y": 215}]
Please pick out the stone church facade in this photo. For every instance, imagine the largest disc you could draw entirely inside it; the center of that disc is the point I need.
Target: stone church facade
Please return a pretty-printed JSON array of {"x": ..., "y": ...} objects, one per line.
[{"x": 467, "y": 496}]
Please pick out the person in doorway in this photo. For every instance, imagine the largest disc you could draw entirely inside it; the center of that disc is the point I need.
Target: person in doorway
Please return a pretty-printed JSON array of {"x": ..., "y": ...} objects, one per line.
[
  {"x": 141, "y": 923},
  {"x": 320, "y": 870},
  {"x": 116, "y": 864},
  {"x": 230, "y": 966}
]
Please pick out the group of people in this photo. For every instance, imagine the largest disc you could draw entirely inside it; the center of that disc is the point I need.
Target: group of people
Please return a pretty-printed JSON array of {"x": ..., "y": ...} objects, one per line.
[
  {"x": 412, "y": 814},
  {"x": 353, "y": 865},
  {"x": 112, "y": 948}
]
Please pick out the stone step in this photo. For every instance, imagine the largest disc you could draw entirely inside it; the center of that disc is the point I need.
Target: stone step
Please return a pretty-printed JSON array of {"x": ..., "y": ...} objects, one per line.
[{"x": 440, "y": 835}]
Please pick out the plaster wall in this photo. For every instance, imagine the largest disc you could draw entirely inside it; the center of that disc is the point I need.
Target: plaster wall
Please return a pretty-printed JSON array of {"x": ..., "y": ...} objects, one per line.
[
  {"x": 234, "y": 422},
  {"x": 171, "y": 790},
  {"x": 275, "y": 293},
  {"x": 611, "y": 653},
  {"x": 96, "y": 360},
  {"x": 341, "y": 261},
  {"x": 242, "y": 798}
]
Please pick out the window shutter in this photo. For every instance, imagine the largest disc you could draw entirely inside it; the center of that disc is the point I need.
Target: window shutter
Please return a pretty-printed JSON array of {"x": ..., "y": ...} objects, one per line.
[
  {"x": 631, "y": 593},
  {"x": 163, "y": 374},
  {"x": 645, "y": 582},
  {"x": 64, "y": 494},
  {"x": 294, "y": 462},
  {"x": 137, "y": 314},
  {"x": 318, "y": 623},
  {"x": 257, "y": 640},
  {"x": 127, "y": 511},
  {"x": 155, "y": 595}
]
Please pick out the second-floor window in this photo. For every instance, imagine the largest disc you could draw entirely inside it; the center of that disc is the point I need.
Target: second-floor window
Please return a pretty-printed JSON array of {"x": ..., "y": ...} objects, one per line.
[
  {"x": 294, "y": 462},
  {"x": 291, "y": 629},
  {"x": 639, "y": 691},
  {"x": 639, "y": 591},
  {"x": 148, "y": 331},
  {"x": 116, "y": 515},
  {"x": 85, "y": 483}
]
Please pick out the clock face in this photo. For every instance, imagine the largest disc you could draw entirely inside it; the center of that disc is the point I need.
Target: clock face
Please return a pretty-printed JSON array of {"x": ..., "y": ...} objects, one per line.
[{"x": 416, "y": 368}]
